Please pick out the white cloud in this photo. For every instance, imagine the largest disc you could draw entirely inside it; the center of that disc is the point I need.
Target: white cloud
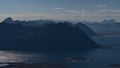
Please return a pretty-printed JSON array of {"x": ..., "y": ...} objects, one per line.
[
  {"x": 84, "y": 13},
  {"x": 70, "y": 11},
  {"x": 59, "y": 8},
  {"x": 112, "y": 10},
  {"x": 98, "y": 15},
  {"x": 69, "y": 14},
  {"x": 26, "y": 16},
  {"x": 101, "y": 6}
]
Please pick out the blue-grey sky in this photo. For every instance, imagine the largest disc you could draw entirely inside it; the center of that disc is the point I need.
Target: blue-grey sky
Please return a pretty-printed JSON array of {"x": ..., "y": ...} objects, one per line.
[{"x": 84, "y": 10}]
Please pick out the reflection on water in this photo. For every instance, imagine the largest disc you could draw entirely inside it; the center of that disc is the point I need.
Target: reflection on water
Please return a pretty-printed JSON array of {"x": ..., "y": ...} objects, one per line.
[
  {"x": 102, "y": 57},
  {"x": 12, "y": 56}
]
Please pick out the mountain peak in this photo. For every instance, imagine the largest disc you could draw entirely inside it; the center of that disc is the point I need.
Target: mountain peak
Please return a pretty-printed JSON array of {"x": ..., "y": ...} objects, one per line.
[{"x": 8, "y": 20}]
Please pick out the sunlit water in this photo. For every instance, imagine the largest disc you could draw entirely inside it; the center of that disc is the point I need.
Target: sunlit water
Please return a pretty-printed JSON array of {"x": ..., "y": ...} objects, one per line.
[{"x": 102, "y": 56}]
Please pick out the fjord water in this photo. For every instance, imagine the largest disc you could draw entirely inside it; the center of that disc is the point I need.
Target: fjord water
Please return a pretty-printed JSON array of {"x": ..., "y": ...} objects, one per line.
[{"x": 102, "y": 57}]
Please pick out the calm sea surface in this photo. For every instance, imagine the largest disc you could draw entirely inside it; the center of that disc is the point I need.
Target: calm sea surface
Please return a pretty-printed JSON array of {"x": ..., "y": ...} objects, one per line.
[{"x": 102, "y": 57}]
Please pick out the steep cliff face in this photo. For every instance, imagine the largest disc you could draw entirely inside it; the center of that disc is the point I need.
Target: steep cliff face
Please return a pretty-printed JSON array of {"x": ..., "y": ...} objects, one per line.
[
  {"x": 86, "y": 29},
  {"x": 51, "y": 37}
]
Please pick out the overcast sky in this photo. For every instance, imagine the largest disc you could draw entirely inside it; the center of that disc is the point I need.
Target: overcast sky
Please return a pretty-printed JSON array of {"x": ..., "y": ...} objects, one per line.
[{"x": 88, "y": 10}]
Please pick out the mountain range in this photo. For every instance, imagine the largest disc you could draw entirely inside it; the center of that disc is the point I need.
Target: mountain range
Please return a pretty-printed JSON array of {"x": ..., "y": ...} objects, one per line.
[
  {"x": 48, "y": 37},
  {"x": 106, "y": 27},
  {"x": 37, "y": 23}
]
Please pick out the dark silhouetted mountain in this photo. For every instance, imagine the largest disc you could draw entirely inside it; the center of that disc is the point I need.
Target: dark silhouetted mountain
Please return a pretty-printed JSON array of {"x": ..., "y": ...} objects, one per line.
[
  {"x": 50, "y": 37},
  {"x": 8, "y": 20},
  {"x": 38, "y": 23},
  {"x": 29, "y": 23},
  {"x": 68, "y": 23},
  {"x": 86, "y": 29}
]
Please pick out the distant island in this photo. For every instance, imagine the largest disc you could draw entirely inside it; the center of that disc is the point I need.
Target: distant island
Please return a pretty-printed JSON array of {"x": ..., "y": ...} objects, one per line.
[{"x": 52, "y": 36}]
